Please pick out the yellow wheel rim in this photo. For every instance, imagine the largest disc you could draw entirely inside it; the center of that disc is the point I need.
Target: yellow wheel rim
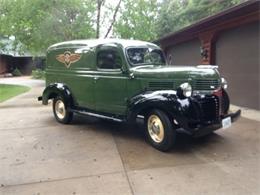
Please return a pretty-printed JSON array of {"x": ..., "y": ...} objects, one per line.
[
  {"x": 155, "y": 128},
  {"x": 60, "y": 109}
]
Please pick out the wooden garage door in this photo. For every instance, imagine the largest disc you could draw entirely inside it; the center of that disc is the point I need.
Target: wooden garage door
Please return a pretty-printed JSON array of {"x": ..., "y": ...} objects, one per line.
[{"x": 237, "y": 54}]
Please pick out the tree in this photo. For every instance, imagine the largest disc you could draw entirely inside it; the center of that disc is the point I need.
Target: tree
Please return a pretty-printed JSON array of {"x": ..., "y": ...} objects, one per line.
[
  {"x": 38, "y": 24},
  {"x": 114, "y": 18},
  {"x": 177, "y": 14},
  {"x": 137, "y": 20},
  {"x": 99, "y": 5}
]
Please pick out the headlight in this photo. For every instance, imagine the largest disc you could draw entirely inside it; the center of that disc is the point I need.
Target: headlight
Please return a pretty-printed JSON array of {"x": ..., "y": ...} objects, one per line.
[
  {"x": 224, "y": 83},
  {"x": 185, "y": 90}
]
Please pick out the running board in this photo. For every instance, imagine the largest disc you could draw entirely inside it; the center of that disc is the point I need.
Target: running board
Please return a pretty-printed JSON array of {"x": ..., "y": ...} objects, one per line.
[{"x": 97, "y": 115}]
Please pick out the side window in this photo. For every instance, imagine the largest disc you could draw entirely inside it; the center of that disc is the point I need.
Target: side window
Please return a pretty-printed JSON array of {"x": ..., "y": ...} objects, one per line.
[{"x": 108, "y": 59}]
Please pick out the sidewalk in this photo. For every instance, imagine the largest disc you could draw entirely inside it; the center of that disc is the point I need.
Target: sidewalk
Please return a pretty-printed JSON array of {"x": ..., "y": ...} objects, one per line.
[
  {"x": 247, "y": 112},
  {"x": 23, "y": 80}
]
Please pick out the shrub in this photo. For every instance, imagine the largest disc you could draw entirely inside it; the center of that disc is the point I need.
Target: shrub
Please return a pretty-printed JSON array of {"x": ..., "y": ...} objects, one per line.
[
  {"x": 16, "y": 72},
  {"x": 38, "y": 74}
]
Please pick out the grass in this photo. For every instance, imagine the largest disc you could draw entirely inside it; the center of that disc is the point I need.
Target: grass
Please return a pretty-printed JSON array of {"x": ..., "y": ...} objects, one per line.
[{"x": 9, "y": 91}]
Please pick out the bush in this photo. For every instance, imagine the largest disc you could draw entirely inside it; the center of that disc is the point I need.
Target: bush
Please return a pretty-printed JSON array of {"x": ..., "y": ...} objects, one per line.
[
  {"x": 16, "y": 72},
  {"x": 38, "y": 74}
]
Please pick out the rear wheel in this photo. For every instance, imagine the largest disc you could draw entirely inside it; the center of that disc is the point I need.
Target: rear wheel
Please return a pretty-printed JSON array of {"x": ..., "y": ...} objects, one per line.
[
  {"x": 159, "y": 130},
  {"x": 60, "y": 111}
]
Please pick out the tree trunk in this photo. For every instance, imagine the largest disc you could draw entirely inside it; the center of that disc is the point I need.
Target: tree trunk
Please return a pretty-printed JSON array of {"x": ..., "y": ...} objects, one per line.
[
  {"x": 114, "y": 18},
  {"x": 99, "y": 4}
]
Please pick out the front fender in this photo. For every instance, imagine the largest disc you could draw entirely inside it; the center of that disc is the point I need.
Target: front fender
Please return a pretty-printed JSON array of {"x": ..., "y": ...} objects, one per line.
[
  {"x": 166, "y": 100},
  {"x": 57, "y": 89}
]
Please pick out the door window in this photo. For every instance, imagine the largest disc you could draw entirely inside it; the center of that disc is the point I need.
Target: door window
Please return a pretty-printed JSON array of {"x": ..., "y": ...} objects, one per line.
[{"x": 108, "y": 59}]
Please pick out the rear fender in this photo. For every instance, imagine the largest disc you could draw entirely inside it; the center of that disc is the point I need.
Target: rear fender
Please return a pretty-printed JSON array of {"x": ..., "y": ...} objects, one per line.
[{"x": 57, "y": 89}]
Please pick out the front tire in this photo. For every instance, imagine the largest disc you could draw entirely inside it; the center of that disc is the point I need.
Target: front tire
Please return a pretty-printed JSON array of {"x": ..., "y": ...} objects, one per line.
[
  {"x": 159, "y": 130},
  {"x": 60, "y": 111}
]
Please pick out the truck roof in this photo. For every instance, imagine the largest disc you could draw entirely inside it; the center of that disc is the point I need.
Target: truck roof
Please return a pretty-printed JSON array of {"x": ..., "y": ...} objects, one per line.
[{"x": 95, "y": 42}]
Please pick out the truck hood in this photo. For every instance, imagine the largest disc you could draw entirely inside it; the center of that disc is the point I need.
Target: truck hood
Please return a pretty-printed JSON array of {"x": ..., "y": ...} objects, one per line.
[{"x": 176, "y": 72}]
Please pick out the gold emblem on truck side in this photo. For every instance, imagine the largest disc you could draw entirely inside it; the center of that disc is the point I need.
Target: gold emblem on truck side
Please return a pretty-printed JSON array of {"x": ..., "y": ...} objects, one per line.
[{"x": 68, "y": 58}]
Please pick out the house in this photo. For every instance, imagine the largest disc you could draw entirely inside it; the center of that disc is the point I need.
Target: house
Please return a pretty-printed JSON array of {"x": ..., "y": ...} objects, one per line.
[
  {"x": 229, "y": 39},
  {"x": 11, "y": 59},
  {"x": 5, "y": 60},
  {"x": 8, "y": 63}
]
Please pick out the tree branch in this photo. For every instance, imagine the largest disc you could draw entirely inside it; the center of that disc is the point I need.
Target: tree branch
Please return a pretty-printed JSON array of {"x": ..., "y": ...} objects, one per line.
[
  {"x": 114, "y": 18},
  {"x": 99, "y": 4}
]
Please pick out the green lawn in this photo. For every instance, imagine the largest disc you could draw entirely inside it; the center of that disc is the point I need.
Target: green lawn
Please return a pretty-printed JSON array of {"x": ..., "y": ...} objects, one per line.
[{"x": 9, "y": 91}]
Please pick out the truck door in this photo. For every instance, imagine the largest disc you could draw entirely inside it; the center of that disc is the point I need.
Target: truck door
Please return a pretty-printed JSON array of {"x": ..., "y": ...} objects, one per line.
[{"x": 110, "y": 82}]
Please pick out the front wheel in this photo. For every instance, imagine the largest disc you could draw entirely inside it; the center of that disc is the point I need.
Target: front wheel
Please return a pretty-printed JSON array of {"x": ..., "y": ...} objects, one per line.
[
  {"x": 60, "y": 111},
  {"x": 159, "y": 130}
]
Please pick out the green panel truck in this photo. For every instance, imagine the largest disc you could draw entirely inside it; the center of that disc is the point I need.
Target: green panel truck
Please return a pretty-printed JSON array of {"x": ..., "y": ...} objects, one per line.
[{"x": 123, "y": 80}]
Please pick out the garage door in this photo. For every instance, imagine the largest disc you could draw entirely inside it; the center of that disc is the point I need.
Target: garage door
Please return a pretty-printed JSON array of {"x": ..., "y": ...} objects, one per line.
[
  {"x": 187, "y": 53},
  {"x": 237, "y": 54}
]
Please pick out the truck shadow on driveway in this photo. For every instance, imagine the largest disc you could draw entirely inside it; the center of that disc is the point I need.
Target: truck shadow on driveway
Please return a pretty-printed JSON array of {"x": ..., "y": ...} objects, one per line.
[{"x": 137, "y": 154}]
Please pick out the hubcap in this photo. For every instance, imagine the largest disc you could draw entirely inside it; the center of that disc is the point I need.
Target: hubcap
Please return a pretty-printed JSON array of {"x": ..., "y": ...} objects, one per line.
[
  {"x": 60, "y": 109},
  {"x": 155, "y": 128}
]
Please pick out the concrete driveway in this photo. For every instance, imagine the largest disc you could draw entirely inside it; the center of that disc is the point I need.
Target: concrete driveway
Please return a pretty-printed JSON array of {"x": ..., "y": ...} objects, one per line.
[{"x": 38, "y": 156}]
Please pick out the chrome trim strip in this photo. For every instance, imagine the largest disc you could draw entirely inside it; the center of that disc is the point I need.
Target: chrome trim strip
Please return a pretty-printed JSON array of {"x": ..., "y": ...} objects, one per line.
[
  {"x": 97, "y": 115},
  {"x": 204, "y": 92}
]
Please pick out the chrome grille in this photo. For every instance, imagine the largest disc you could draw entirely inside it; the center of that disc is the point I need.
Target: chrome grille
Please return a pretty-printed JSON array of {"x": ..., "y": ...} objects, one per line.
[
  {"x": 210, "y": 108},
  {"x": 161, "y": 85},
  {"x": 206, "y": 84}
]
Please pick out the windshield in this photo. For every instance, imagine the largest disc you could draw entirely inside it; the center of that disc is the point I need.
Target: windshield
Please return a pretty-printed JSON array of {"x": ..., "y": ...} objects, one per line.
[{"x": 145, "y": 56}]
